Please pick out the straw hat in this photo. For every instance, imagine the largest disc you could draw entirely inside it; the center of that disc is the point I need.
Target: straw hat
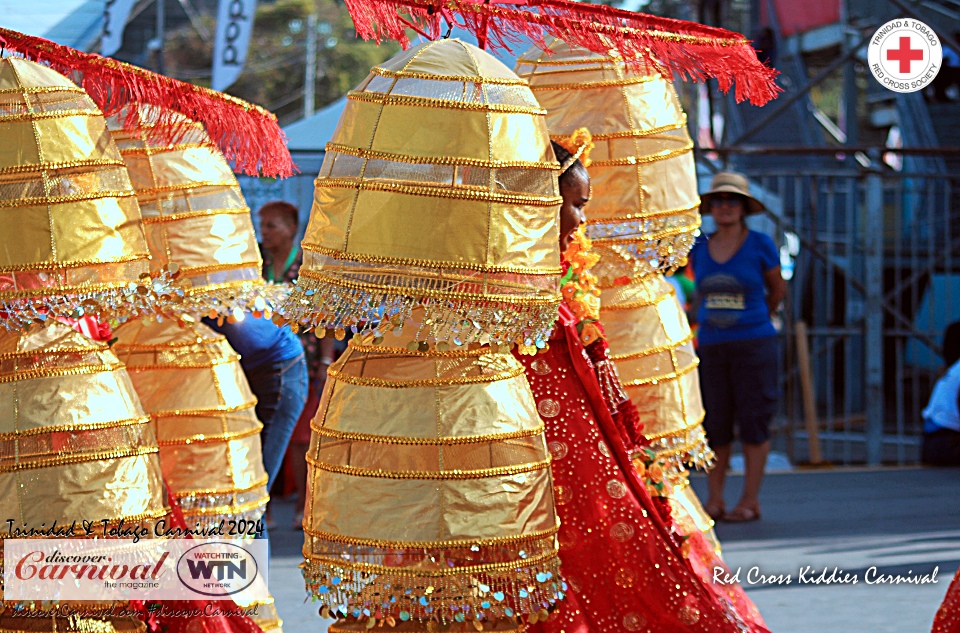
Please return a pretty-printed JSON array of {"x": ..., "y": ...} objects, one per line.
[{"x": 731, "y": 182}]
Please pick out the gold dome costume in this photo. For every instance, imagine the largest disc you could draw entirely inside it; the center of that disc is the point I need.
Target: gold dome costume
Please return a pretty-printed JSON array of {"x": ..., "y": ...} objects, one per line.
[
  {"x": 188, "y": 377},
  {"x": 429, "y": 493},
  {"x": 80, "y": 445},
  {"x": 643, "y": 218}
]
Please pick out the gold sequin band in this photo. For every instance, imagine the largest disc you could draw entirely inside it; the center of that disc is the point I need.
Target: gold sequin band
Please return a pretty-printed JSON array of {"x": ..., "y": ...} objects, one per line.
[
  {"x": 589, "y": 85},
  {"x": 146, "y": 150},
  {"x": 632, "y": 305},
  {"x": 230, "y": 509},
  {"x": 653, "y": 350},
  {"x": 612, "y": 136},
  {"x": 206, "y": 438},
  {"x": 226, "y": 491},
  {"x": 76, "y": 263},
  {"x": 71, "y": 428},
  {"x": 453, "y": 544},
  {"x": 73, "y": 164},
  {"x": 425, "y": 441},
  {"x": 188, "y": 413},
  {"x": 363, "y": 381},
  {"x": 461, "y": 192},
  {"x": 189, "y": 271},
  {"x": 484, "y": 568},
  {"x": 433, "y": 353},
  {"x": 407, "y": 74},
  {"x": 673, "y": 375},
  {"x": 39, "y": 90},
  {"x": 640, "y": 160},
  {"x": 651, "y": 237},
  {"x": 451, "y": 475},
  {"x": 426, "y": 263},
  {"x": 152, "y": 191},
  {"x": 52, "y": 372},
  {"x": 78, "y": 197},
  {"x": 54, "y": 114},
  {"x": 633, "y": 217},
  {"x": 78, "y": 458},
  {"x": 95, "y": 347},
  {"x": 186, "y": 365},
  {"x": 381, "y": 98},
  {"x": 175, "y": 217},
  {"x": 438, "y": 160}
]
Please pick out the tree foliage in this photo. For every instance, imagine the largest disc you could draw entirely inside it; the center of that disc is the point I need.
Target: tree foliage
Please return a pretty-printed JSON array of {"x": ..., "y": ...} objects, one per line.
[{"x": 276, "y": 62}]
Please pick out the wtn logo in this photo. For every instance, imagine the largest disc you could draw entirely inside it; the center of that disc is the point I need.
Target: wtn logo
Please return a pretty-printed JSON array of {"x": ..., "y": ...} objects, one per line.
[{"x": 225, "y": 569}]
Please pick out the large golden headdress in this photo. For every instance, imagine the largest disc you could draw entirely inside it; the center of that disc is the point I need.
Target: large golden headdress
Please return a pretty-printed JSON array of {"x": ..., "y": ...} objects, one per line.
[
  {"x": 74, "y": 243},
  {"x": 195, "y": 218},
  {"x": 640, "y": 143},
  {"x": 438, "y": 189}
]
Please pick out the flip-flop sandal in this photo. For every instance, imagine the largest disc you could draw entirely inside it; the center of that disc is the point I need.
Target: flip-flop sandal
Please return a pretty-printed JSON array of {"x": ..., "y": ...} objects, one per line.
[
  {"x": 715, "y": 512},
  {"x": 742, "y": 514}
]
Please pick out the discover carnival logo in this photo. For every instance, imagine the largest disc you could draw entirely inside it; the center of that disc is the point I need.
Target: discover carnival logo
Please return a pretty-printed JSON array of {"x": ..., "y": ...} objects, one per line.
[{"x": 905, "y": 55}]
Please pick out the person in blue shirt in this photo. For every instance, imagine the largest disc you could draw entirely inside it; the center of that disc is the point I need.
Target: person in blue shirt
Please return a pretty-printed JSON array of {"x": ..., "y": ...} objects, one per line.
[
  {"x": 739, "y": 287},
  {"x": 941, "y": 417}
]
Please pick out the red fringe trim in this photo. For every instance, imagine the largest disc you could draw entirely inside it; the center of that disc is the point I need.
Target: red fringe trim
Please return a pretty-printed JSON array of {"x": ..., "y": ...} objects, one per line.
[
  {"x": 690, "y": 50},
  {"x": 248, "y": 135}
]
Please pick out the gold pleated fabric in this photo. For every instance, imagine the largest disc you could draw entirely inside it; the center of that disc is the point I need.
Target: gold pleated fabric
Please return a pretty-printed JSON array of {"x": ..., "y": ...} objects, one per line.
[
  {"x": 75, "y": 443},
  {"x": 194, "y": 215},
  {"x": 190, "y": 383},
  {"x": 430, "y": 490},
  {"x": 439, "y": 190},
  {"x": 642, "y": 168},
  {"x": 77, "y": 245}
]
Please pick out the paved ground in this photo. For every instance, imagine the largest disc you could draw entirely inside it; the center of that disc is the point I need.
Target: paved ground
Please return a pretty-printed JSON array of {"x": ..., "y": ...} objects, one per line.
[{"x": 900, "y": 521}]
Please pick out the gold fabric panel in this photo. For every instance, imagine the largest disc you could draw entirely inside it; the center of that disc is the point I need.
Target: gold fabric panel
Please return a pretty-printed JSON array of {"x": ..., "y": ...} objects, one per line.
[
  {"x": 76, "y": 442},
  {"x": 74, "y": 138},
  {"x": 194, "y": 389},
  {"x": 435, "y": 182},
  {"x": 214, "y": 240}
]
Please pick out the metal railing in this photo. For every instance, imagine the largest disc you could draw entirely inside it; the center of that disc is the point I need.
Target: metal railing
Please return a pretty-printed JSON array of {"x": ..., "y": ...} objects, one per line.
[{"x": 876, "y": 281}]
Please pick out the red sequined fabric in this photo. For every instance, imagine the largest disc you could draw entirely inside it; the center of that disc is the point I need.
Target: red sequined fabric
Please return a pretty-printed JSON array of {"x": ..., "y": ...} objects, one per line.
[
  {"x": 948, "y": 617},
  {"x": 624, "y": 571}
]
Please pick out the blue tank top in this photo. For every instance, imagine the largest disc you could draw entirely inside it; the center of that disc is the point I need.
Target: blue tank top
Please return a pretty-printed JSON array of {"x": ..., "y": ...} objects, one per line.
[
  {"x": 259, "y": 341},
  {"x": 733, "y": 304}
]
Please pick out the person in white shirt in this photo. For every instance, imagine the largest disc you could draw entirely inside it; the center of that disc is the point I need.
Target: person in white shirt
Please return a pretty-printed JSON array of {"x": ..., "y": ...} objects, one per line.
[{"x": 941, "y": 418}]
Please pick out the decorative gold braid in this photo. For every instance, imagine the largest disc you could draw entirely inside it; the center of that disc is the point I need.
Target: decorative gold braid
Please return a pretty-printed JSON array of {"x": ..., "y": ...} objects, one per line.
[
  {"x": 228, "y": 508},
  {"x": 206, "y": 439},
  {"x": 437, "y": 160},
  {"x": 387, "y": 350},
  {"x": 640, "y": 160},
  {"x": 94, "y": 348},
  {"x": 430, "y": 475},
  {"x": 591, "y": 85},
  {"x": 72, "y": 164},
  {"x": 384, "y": 99},
  {"x": 187, "y": 271},
  {"x": 409, "y": 572},
  {"x": 653, "y": 350},
  {"x": 59, "y": 290},
  {"x": 53, "y": 372},
  {"x": 421, "y": 293},
  {"x": 157, "y": 347},
  {"x": 259, "y": 483},
  {"x": 452, "y": 544},
  {"x": 186, "y": 365},
  {"x": 425, "y": 441},
  {"x": 459, "y": 192},
  {"x": 622, "y": 219},
  {"x": 364, "y": 381},
  {"x": 196, "y": 184},
  {"x": 76, "y": 263},
  {"x": 650, "y": 237},
  {"x": 83, "y": 426},
  {"x": 188, "y": 413},
  {"x": 409, "y": 74},
  {"x": 427, "y": 263},
  {"x": 79, "y": 458},
  {"x": 175, "y": 217},
  {"x": 673, "y": 375},
  {"x": 53, "y": 114},
  {"x": 77, "y": 197},
  {"x": 147, "y": 150},
  {"x": 612, "y": 136},
  {"x": 677, "y": 433},
  {"x": 39, "y": 90}
]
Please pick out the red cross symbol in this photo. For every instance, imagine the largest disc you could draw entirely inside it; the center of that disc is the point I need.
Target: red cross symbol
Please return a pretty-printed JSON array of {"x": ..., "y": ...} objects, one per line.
[{"x": 905, "y": 54}]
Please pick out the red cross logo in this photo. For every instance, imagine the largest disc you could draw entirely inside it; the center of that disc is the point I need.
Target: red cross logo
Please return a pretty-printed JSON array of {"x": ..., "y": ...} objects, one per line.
[{"x": 905, "y": 54}]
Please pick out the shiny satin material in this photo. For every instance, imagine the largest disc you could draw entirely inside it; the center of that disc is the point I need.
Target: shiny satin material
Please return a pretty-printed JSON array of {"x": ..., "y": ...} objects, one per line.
[
  {"x": 92, "y": 451},
  {"x": 194, "y": 213},
  {"x": 438, "y": 189},
  {"x": 191, "y": 384},
  {"x": 62, "y": 183},
  {"x": 641, "y": 143},
  {"x": 438, "y": 453}
]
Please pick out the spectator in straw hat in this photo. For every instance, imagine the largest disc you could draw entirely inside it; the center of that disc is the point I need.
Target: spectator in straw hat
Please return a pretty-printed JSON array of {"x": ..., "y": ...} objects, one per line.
[{"x": 739, "y": 284}]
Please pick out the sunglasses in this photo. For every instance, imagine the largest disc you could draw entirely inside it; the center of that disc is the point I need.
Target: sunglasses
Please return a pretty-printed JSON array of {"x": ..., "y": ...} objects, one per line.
[{"x": 718, "y": 199}]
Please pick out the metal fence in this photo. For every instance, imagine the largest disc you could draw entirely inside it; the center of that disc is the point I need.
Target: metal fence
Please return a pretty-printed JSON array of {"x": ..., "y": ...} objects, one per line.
[{"x": 875, "y": 281}]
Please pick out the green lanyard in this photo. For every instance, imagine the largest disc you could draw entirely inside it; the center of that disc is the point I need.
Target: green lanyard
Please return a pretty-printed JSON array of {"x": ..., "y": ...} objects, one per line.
[{"x": 286, "y": 265}]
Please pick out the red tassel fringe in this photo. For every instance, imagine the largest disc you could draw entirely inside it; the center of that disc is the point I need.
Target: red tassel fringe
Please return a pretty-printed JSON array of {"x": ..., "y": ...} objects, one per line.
[
  {"x": 248, "y": 135},
  {"x": 690, "y": 50}
]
